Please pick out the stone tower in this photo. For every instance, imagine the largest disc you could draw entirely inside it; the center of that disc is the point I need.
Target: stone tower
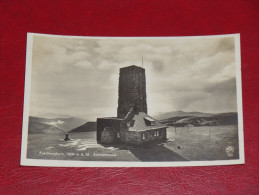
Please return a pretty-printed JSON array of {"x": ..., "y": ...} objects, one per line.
[{"x": 132, "y": 90}]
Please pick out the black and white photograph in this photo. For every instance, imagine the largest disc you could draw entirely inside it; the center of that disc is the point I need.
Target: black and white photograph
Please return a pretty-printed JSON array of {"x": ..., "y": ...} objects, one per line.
[{"x": 132, "y": 101}]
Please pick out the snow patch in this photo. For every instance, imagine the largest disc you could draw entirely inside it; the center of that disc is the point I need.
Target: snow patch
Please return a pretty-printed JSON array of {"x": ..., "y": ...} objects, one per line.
[{"x": 59, "y": 122}]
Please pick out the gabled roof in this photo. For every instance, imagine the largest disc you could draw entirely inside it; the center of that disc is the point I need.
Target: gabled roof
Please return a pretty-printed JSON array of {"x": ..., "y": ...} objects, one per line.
[
  {"x": 139, "y": 123},
  {"x": 150, "y": 119}
]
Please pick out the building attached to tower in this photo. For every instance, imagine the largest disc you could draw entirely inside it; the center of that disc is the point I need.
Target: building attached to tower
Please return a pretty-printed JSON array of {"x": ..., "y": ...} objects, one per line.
[{"x": 132, "y": 125}]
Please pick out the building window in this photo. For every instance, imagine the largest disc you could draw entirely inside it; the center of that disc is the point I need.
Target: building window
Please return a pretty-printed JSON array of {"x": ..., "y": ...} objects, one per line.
[
  {"x": 149, "y": 121},
  {"x": 143, "y": 136},
  {"x": 157, "y": 133}
]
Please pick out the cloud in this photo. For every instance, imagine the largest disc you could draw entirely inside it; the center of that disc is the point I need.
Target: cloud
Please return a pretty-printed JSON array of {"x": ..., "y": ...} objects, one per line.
[
  {"x": 158, "y": 65},
  {"x": 83, "y": 64},
  {"x": 223, "y": 88},
  {"x": 77, "y": 76}
]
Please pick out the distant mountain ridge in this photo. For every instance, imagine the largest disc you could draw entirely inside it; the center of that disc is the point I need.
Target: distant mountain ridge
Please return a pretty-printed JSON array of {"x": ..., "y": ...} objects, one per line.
[
  {"x": 38, "y": 128},
  {"x": 54, "y": 125},
  {"x": 181, "y": 113},
  {"x": 87, "y": 127},
  {"x": 181, "y": 118},
  {"x": 52, "y": 116}
]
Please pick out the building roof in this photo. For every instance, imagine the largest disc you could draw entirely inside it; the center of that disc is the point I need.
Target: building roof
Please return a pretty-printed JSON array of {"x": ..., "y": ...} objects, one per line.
[
  {"x": 150, "y": 119},
  {"x": 138, "y": 123}
]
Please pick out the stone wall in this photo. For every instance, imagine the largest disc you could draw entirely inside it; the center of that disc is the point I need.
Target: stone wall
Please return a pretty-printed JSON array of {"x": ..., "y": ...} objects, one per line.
[
  {"x": 154, "y": 135},
  {"x": 114, "y": 123},
  {"x": 131, "y": 137},
  {"x": 140, "y": 137},
  {"x": 108, "y": 135}
]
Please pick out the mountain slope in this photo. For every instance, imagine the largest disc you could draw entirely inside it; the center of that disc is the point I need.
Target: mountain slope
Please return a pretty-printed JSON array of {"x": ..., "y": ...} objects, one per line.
[
  {"x": 38, "y": 128},
  {"x": 181, "y": 113},
  {"x": 65, "y": 124},
  {"x": 211, "y": 120},
  {"x": 87, "y": 127}
]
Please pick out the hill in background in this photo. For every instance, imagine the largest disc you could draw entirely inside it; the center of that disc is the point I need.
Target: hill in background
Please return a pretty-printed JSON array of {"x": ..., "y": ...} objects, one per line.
[
  {"x": 38, "y": 128},
  {"x": 56, "y": 125},
  {"x": 181, "y": 118},
  {"x": 87, "y": 127},
  {"x": 38, "y": 125},
  {"x": 181, "y": 113}
]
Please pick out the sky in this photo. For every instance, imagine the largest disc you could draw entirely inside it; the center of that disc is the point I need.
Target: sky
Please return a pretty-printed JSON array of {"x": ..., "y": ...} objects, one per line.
[{"x": 79, "y": 76}]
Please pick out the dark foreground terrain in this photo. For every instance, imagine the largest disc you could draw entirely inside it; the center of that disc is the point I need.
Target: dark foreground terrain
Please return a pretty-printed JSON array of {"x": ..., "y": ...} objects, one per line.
[{"x": 183, "y": 144}]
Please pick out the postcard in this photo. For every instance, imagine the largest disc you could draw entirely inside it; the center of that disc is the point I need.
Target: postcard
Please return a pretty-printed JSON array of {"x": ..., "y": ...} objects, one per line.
[{"x": 132, "y": 101}]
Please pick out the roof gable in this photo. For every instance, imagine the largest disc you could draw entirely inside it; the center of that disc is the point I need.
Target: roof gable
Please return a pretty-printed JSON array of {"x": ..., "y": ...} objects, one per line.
[{"x": 140, "y": 123}]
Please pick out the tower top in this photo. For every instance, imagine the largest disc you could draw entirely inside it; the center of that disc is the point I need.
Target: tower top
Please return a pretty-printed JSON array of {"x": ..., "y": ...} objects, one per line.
[{"x": 131, "y": 67}]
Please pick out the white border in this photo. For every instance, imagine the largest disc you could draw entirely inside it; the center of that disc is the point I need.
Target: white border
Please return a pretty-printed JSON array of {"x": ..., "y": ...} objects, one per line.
[{"x": 69, "y": 163}]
